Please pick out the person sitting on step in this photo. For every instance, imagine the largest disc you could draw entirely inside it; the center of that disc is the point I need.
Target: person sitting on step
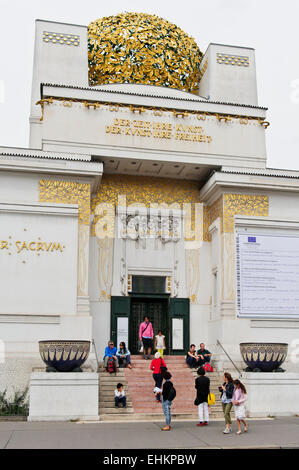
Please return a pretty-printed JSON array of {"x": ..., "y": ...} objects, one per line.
[
  {"x": 192, "y": 357},
  {"x": 203, "y": 355},
  {"x": 110, "y": 353},
  {"x": 120, "y": 396},
  {"x": 123, "y": 355}
]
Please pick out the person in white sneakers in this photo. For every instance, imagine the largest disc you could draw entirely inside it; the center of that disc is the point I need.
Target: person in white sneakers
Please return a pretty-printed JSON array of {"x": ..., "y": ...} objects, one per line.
[
  {"x": 239, "y": 398},
  {"x": 227, "y": 390},
  {"x": 202, "y": 385}
]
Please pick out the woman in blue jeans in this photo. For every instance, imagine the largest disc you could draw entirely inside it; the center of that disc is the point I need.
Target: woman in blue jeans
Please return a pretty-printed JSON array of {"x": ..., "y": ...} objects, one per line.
[
  {"x": 123, "y": 355},
  {"x": 166, "y": 403}
]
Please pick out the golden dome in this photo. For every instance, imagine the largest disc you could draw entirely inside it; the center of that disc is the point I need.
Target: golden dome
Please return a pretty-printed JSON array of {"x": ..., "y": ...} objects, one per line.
[{"x": 142, "y": 48}]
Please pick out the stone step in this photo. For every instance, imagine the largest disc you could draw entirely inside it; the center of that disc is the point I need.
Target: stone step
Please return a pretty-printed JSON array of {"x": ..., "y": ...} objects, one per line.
[{"x": 153, "y": 417}]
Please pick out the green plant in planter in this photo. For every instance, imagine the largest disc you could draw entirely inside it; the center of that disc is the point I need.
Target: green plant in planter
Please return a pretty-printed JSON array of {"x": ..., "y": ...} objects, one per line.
[{"x": 17, "y": 405}]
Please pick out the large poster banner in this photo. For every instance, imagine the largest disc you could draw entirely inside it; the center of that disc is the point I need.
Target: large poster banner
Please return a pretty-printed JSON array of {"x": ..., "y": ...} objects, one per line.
[{"x": 267, "y": 275}]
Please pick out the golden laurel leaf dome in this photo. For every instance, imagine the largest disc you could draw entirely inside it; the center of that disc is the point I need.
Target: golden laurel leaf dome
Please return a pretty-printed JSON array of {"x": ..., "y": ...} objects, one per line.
[{"x": 142, "y": 48}]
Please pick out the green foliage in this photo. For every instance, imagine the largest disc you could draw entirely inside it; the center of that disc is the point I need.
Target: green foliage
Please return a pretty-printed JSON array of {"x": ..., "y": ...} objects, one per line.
[{"x": 16, "y": 405}]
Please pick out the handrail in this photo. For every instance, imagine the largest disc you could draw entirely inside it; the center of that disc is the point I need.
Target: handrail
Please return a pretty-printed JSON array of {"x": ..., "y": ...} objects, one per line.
[
  {"x": 95, "y": 350},
  {"x": 240, "y": 373}
]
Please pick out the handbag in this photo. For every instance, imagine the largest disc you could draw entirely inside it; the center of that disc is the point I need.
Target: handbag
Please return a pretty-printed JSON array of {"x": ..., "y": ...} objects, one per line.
[
  {"x": 211, "y": 399},
  {"x": 140, "y": 344},
  {"x": 208, "y": 368}
]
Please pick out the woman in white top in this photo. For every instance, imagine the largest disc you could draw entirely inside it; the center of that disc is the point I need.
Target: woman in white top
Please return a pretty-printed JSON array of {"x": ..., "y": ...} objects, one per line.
[{"x": 160, "y": 342}]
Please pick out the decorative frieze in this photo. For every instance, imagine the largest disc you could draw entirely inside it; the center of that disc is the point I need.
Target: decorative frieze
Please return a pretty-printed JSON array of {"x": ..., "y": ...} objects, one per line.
[
  {"x": 229, "y": 205},
  {"x": 242, "y": 204},
  {"x": 67, "y": 192},
  {"x": 140, "y": 226}
]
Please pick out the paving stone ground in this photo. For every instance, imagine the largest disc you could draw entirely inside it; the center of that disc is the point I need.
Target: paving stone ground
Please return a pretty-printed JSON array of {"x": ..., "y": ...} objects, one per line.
[{"x": 270, "y": 433}]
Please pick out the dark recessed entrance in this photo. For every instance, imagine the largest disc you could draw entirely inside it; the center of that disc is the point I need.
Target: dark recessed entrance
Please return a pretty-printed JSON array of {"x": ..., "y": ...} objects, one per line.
[
  {"x": 157, "y": 312},
  {"x": 149, "y": 298}
]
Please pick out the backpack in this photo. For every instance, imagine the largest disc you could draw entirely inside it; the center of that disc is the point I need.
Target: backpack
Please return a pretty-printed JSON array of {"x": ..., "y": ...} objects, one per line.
[
  {"x": 110, "y": 365},
  {"x": 208, "y": 368},
  {"x": 172, "y": 394}
]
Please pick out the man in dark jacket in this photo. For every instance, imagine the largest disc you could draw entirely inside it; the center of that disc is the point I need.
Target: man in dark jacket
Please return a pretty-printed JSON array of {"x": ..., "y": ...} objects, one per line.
[
  {"x": 202, "y": 385},
  {"x": 167, "y": 397}
]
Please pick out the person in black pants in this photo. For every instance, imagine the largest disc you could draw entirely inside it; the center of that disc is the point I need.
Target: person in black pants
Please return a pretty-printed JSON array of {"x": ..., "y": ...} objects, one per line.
[
  {"x": 203, "y": 355},
  {"x": 202, "y": 385},
  {"x": 156, "y": 365},
  {"x": 192, "y": 358}
]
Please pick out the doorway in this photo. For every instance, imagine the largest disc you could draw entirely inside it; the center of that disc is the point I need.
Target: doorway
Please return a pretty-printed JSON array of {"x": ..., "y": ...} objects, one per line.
[
  {"x": 171, "y": 315},
  {"x": 156, "y": 309}
]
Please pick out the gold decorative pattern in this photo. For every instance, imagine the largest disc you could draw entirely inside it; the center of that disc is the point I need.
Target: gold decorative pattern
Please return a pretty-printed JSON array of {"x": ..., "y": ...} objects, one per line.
[
  {"x": 169, "y": 284},
  {"x": 228, "y": 59},
  {"x": 105, "y": 256},
  {"x": 203, "y": 69},
  {"x": 144, "y": 190},
  {"x": 67, "y": 192},
  {"x": 243, "y": 204},
  {"x": 129, "y": 283},
  {"x": 142, "y": 48},
  {"x": 200, "y": 115},
  {"x": 229, "y": 205},
  {"x": 210, "y": 214},
  {"x": 61, "y": 38},
  {"x": 83, "y": 259},
  {"x": 193, "y": 275}
]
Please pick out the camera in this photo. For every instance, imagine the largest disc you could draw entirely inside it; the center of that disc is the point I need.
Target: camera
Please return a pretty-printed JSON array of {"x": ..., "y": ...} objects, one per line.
[{"x": 220, "y": 389}]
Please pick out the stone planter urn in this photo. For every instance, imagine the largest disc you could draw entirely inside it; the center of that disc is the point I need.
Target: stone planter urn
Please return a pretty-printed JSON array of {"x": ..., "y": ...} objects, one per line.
[
  {"x": 264, "y": 357},
  {"x": 64, "y": 355}
]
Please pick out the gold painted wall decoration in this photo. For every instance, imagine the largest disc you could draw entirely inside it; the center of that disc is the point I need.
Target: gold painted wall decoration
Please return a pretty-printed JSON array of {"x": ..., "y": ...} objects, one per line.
[
  {"x": 242, "y": 204},
  {"x": 143, "y": 190},
  {"x": 67, "y": 192}
]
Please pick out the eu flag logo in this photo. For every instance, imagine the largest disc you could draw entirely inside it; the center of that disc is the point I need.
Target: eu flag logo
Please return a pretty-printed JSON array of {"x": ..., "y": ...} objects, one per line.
[{"x": 251, "y": 239}]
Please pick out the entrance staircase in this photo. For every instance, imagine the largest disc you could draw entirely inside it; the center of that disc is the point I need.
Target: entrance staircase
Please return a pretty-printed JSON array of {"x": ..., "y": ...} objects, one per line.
[{"x": 139, "y": 384}]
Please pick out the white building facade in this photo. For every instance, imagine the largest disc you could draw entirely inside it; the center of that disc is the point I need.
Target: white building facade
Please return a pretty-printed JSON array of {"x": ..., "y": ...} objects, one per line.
[{"x": 135, "y": 199}]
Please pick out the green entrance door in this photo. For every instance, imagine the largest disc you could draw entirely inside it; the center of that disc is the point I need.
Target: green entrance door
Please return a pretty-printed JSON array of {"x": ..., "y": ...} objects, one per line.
[
  {"x": 171, "y": 315},
  {"x": 157, "y": 312}
]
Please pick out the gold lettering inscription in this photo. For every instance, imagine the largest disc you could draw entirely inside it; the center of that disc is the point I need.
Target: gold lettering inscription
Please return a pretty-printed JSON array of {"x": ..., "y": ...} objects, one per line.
[
  {"x": 56, "y": 247},
  {"x": 4, "y": 244},
  {"x": 33, "y": 246},
  {"x": 158, "y": 130}
]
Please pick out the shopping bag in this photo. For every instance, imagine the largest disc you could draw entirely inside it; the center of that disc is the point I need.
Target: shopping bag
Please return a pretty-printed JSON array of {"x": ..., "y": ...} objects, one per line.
[{"x": 211, "y": 399}]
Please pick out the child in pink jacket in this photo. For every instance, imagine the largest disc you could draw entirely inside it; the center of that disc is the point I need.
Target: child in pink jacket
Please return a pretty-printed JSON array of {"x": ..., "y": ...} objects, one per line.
[
  {"x": 239, "y": 398},
  {"x": 146, "y": 335}
]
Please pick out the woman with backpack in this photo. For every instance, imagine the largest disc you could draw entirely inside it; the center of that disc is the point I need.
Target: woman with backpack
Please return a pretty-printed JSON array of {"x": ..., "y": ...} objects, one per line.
[
  {"x": 168, "y": 395},
  {"x": 156, "y": 365}
]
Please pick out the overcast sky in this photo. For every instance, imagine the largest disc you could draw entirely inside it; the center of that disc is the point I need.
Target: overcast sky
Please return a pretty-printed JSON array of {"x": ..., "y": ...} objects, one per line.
[{"x": 269, "y": 26}]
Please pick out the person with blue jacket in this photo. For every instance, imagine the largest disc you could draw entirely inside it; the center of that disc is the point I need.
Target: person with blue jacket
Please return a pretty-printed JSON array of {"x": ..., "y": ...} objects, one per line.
[{"x": 110, "y": 352}]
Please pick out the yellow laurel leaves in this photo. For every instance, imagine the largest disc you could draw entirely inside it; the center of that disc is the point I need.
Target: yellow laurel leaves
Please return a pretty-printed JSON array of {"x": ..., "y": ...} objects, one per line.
[{"x": 142, "y": 48}]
